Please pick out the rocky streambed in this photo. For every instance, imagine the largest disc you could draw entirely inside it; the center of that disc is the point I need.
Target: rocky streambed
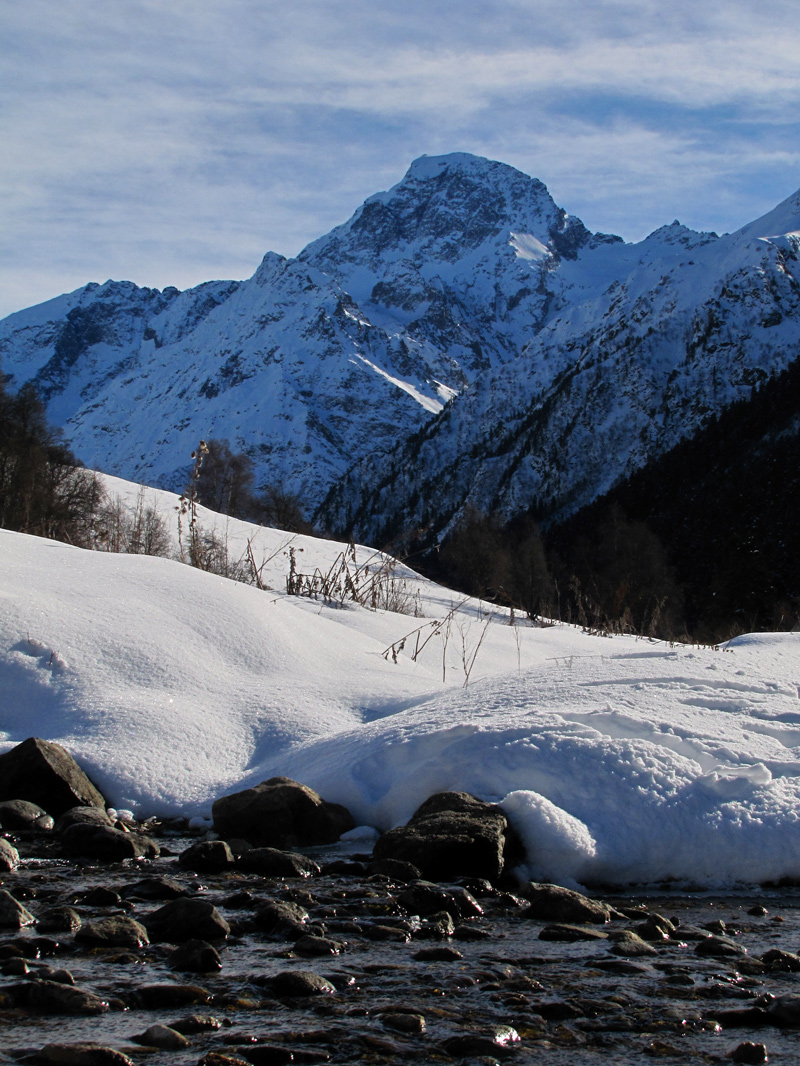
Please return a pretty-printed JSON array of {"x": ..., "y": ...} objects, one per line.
[{"x": 148, "y": 961}]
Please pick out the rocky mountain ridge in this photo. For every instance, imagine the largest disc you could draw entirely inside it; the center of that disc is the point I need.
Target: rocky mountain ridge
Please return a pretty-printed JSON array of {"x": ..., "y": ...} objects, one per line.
[{"x": 460, "y": 340}]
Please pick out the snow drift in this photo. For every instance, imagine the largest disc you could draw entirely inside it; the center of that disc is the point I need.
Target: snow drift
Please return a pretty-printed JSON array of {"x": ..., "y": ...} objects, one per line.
[{"x": 617, "y": 759}]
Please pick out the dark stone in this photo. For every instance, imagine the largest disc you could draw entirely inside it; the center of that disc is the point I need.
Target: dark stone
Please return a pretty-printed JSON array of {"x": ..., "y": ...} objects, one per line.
[
  {"x": 655, "y": 928},
  {"x": 195, "y": 956},
  {"x": 749, "y": 1052},
  {"x": 317, "y": 945},
  {"x": 104, "y": 843},
  {"x": 268, "y": 1055},
  {"x": 470, "y": 1046},
  {"x": 270, "y": 862},
  {"x": 292, "y": 983},
  {"x": 571, "y": 933},
  {"x": 46, "y": 774},
  {"x": 55, "y": 997},
  {"x": 630, "y": 945},
  {"x": 81, "y": 1054},
  {"x": 24, "y": 815},
  {"x": 344, "y": 868},
  {"x": 100, "y": 896},
  {"x": 90, "y": 815},
  {"x": 186, "y": 919},
  {"x": 12, "y": 913},
  {"x": 748, "y": 1018},
  {"x": 115, "y": 931},
  {"x": 9, "y": 856},
  {"x": 552, "y": 903},
  {"x": 452, "y": 834},
  {"x": 424, "y": 899},
  {"x": 207, "y": 856},
  {"x": 408, "y": 1022},
  {"x": 196, "y": 1023},
  {"x": 155, "y": 888},
  {"x": 556, "y": 1010},
  {"x": 47, "y": 973},
  {"x": 280, "y": 813},
  {"x": 154, "y": 997},
  {"x": 161, "y": 1036},
  {"x": 374, "y": 931},
  {"x": 441, "y": 953},
  {"x": 396, "y": 869},
  {"x": 785, "y": 1011},
  {"x": 222, "y": 1058},
  {"x": 279, "y": 916},
  {"x": 719, "y": 947},
  {"x": 781, "y": 961},
  {"x": 437, "y": 926}
]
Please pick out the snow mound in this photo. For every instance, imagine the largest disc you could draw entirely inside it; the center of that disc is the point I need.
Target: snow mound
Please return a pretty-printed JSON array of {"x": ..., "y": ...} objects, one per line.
[{"x": 617, "y": 760}]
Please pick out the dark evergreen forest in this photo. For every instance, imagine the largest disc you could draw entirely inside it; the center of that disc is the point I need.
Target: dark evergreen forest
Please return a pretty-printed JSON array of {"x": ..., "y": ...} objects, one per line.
[{"x": 702, "y": 543}]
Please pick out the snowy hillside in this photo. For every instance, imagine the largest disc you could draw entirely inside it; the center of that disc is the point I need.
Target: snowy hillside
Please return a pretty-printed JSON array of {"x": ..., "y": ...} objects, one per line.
[
  {"x": 570, "y": 357},
  {"x": 617, "y": 758}
]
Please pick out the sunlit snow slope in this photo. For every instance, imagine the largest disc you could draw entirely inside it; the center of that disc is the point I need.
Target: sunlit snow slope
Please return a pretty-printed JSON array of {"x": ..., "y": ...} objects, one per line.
[{"x": 618, "y": 759}]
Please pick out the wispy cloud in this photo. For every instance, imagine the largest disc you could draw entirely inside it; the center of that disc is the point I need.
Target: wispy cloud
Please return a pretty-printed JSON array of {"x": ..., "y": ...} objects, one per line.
[{"x": 174, "y": 143}]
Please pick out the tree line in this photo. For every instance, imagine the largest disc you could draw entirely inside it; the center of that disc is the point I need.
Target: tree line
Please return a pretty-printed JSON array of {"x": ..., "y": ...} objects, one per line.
[{"x": 701, "y": 544}]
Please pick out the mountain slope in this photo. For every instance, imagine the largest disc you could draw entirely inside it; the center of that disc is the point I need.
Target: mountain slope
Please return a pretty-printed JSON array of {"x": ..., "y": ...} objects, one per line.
[
  {"x": 640, "y": 345},
  {"x": 461, "y": 339}
]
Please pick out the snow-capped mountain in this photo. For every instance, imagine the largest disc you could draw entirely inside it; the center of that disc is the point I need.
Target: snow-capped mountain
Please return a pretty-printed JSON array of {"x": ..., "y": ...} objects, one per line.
[
  {"x": 570, "y": 358},
  {"x": 636, "y": 346}
]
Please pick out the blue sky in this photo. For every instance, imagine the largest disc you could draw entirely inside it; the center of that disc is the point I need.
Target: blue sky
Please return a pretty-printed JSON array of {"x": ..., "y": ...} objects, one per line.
[{"x": 169, "y": 142}]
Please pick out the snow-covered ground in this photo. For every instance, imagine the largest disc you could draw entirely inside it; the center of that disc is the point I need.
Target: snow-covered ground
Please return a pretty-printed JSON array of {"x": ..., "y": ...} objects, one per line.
[{"x": 617, "y": 759}]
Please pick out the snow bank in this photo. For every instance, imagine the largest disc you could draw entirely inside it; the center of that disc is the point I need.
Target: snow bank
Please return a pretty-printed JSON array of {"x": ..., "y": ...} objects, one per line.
[{"x": 617, "y": 760}]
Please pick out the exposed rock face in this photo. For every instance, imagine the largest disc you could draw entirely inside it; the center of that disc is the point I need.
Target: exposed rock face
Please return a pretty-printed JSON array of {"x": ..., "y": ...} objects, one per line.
[
  {"x": 452, "y": 835},
  {"x": 280, "y": 813},
  {"x": 46, "y": 774}
]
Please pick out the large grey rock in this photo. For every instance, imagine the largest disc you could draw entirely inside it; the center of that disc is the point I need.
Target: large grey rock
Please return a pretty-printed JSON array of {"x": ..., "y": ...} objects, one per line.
[
  {"x": 271, "y": 862},
  {"x": 22, "y": 814},
  {"x": 280, "y": 813},
  {"x": 186, "y": 919},
  {"x": 103, "y": 842},
  {"x": 452, "y": 834},
  {"x": 552, "y": 903},
  {"x": 46, "y": 774},
  {"x": 114, "y": 931},
  {"x": 292, "y": 983},
  {"x": 90, "y": 815},
  {"x": 281, "y": 917},
  {"x": 207, "y": 856},
  {"x": 53, "y": 997}
]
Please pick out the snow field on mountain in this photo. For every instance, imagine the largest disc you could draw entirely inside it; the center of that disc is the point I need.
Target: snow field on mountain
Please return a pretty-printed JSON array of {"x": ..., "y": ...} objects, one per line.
[{"x": 617, "y": 759}]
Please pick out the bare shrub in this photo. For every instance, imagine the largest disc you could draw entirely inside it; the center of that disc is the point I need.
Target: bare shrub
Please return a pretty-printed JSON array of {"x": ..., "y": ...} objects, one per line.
[
  {"x": 374, "y": 583},
  {"x": 141, "y": 531}
]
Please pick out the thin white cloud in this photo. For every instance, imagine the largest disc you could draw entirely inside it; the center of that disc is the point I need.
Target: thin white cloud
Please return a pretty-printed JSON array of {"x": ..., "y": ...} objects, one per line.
[{"x": 173, "y": 143}]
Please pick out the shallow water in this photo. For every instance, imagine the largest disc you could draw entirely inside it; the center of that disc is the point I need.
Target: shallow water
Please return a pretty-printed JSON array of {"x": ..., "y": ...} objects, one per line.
[{"x": 588, "y": 1010}]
